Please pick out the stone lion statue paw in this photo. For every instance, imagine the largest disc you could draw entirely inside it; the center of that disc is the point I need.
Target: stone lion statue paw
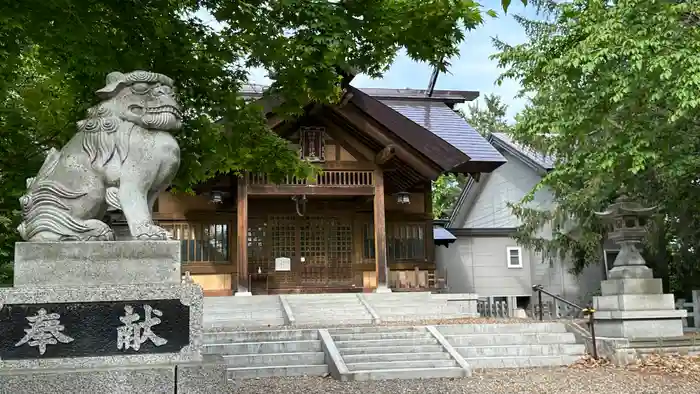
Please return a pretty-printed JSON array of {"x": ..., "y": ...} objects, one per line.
[{"x": 152, "y": 232}]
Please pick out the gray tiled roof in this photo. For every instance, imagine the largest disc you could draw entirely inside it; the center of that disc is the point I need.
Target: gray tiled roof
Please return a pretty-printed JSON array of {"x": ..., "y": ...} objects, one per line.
[
  {"x": 441, "y": 233},
  {"x": 546, "y": 162},
  {"x": 256, "y": 90},
  {"x": 431, "y": 113},
  {"x": 448, "y": 125}
]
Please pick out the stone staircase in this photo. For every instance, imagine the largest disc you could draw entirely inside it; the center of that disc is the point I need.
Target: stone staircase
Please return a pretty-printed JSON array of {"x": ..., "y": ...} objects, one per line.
[
  {"x": 327, "y": 309},
  {"x": 252, "y": 354},
  {"x": 418, "y": 306},
  {"x": 392, "y": 352},
  {"x": 229, "y": 313},
  {"x": 376, "y": 353},
  {"x": 486, "y": 346}
]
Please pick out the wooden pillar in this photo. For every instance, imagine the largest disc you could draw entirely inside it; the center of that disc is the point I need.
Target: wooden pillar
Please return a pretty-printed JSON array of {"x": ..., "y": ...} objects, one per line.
[
  {"x": 428, "y": 207},
  {"x": 242, "y": 236},
  {"x": 382, "y": 266}
]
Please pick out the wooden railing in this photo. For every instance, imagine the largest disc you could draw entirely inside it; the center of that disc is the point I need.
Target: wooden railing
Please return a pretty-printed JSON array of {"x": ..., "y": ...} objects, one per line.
[
  {"x": 327, "y": 178},
  {"x": 201, "y": 242}
]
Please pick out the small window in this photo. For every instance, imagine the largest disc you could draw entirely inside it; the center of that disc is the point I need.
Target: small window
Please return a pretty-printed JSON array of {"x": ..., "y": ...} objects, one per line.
[
  {"x": 312, "y": 144},
  {"x": 515, "y": 257}
]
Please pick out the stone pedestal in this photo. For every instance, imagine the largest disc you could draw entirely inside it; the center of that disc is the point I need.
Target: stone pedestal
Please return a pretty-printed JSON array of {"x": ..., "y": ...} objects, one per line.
[
  {"x": 105, "y": 317},
  {"x": 632, "y": 305}
]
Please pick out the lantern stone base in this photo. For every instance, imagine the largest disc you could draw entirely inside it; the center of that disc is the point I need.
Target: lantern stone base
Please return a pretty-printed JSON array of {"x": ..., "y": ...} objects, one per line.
[{"x": 636, "y": 308}]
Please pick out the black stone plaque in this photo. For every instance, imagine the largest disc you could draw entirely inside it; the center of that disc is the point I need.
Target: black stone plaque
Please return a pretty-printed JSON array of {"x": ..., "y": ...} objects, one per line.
[{"x": 94, "y": 328}]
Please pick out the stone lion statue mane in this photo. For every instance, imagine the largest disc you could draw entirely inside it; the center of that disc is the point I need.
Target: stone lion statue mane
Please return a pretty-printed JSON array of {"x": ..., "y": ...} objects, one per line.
[{"x": 122, "y": 156}]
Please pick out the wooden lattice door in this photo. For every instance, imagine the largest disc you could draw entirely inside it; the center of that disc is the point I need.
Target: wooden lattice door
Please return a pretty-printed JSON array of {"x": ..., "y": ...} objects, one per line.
[
  {"x": 339, "y": 248},
  {"x": 326, "y": 250},
  {"x": 283, "y": 243},
  {"x": 312, "y": 245}
]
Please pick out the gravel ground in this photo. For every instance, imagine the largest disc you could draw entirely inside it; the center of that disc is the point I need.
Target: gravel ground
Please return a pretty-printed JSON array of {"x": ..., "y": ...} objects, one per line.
[{"x": 603, "y": 380}]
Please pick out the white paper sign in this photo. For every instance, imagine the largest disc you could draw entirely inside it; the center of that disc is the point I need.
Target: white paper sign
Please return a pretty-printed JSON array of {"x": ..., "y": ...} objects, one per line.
[{"x": 283, "y": 264}]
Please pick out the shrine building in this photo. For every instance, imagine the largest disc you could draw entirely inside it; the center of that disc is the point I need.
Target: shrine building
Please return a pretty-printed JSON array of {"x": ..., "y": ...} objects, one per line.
[{"x": 364, "y": 223}]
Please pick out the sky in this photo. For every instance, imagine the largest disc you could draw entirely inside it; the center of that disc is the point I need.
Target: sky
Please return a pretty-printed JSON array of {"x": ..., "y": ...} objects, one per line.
[{"x": 472, "y": 70}]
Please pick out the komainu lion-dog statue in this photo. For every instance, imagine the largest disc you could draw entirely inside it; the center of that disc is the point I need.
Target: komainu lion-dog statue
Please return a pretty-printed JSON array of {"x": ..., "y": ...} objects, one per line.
[{"x": 123, "y": 156}]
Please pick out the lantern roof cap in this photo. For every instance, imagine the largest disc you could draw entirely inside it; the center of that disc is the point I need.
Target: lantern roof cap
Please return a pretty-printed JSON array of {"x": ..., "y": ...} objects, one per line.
[{"x": 624, "y": 205}]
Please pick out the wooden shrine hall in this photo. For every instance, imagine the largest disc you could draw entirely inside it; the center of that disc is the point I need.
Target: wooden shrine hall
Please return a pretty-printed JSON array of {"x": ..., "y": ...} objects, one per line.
[{"x": 364, "y": 224}]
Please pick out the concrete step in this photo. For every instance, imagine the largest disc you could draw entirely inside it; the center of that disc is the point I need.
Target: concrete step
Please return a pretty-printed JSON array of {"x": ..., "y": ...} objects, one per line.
[
  {"x": 356, "y": 304},
  {"x": 400, "y": 364},
  {"x": 250, "y": 315},
  {"x": 405, "y": 349},
  {"x": 232, "y": 300},
  {"x": 323, "y": 303},
  {"x": 408, "y": 373},
  {"x": 374, "y": 329},
  {"x": 502, "y": 328},
  {"x": 324, "y": 321},
  {"x": 267, "y": 359},
  {"x": 521, "y": 361},
  {"x": 229, "y": 325},
  {"x": 397, "y": 296},
  {"x": 321, "y": 299},
  {"x": 385, "y": 357},
  {"x": 272, "y": 371},
  {"x": 386, "y": 343},
  {"x": 262, "y": 347},
  {"x": 381, "y": 336},
  {"x": 509, "y": 339},
  {"x": 330, "y": 313},
  {"x": 573, "y": 349},
  {"x": 265, "y": 336}
]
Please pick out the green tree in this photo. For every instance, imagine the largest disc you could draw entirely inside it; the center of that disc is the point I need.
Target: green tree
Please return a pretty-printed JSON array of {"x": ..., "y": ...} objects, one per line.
[
  {"x": 485, "y": 119},
  {"x": 491, "y": 117},
  {"x": 614, "y": 98},
  {"x": 54, "y": 55}
]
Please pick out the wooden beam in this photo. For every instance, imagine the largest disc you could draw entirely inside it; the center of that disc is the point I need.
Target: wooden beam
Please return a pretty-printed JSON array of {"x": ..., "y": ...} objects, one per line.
[
  {"x": 353, "y": 115},
  {"x": 385, "y": 154},
  {"x": 242, "y": 236},
  {"x": 310, "y": 190},
  {"x": 348, "y": 165},
  {"x": 380, "y": 232}
]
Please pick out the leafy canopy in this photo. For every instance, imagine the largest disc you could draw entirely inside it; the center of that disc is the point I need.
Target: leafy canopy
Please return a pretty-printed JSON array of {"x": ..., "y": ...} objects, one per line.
[
  {"x": 614, "y": 88},
  {"x": 55, "y": 54}
]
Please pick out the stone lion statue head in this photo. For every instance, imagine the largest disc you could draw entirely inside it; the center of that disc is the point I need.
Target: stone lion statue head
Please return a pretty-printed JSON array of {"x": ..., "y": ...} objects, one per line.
[
  {"x": 144, "y": 98},
  {"x": 137, "y": 99}
]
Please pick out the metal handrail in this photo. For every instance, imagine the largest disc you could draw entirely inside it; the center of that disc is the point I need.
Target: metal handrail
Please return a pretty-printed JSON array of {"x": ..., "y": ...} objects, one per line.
[{"x": 590, "y": 311}]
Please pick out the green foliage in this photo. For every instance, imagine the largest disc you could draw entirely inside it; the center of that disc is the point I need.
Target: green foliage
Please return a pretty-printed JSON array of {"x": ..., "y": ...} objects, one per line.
[
  {"x": 54, "y": 55},
  {"x": 446, "y": 190},
  {"x": 487, "y": 119},
  {"x": 614, "y": 98},
  {"x": 490, "y": 119}
]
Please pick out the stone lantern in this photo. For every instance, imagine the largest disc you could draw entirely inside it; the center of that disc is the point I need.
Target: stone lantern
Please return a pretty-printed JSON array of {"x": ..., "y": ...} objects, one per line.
[
  {"x": 632, "y": 304},
  {"x": 627, "y": 221}
]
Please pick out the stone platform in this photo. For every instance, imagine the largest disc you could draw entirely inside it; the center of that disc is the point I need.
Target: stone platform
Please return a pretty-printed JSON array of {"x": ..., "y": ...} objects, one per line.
[{"x": 112, "y": 317}]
